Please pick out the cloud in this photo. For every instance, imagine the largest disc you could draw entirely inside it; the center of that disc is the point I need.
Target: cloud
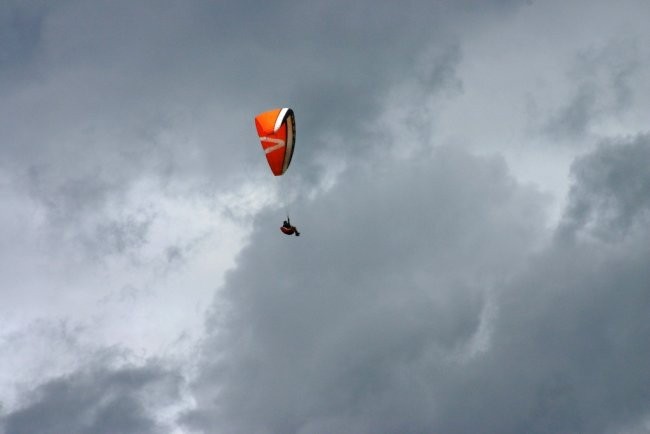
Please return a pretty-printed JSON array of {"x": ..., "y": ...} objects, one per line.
[
  {"x": 429, "y": 292},
  {"x": 611, "y": 195},
  {"x": 426, "y": 320},
  {"x": 422, "y": 321},
  {"x": 115, "y": 93},
  {"x": 351, "y": 324},
  {"x": 605, "y": 81},
  {"x": 568, "y": 349},
  {"x": 98, "y": 400},
  {"x": 20, "y": 24}
]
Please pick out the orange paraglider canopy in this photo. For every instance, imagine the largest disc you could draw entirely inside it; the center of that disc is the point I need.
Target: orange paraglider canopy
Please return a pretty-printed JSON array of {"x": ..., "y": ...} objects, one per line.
[{"x": 277, "y": 131}]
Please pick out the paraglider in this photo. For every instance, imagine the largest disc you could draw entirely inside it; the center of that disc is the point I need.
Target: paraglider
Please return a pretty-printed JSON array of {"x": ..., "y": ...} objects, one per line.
[
  {"x": 277, "y": 132},
  {"x": 288, "y": 229}
]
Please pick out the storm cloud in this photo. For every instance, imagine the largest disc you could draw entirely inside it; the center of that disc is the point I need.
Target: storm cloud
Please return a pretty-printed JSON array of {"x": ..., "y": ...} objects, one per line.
[
  {"x": 422, "y": 322},
  {"x": 98, "y": 400},
  {"x": 470, "y": 182},
  {"x": 335, "y": 332},
  {"x": 611, "y": 195}
]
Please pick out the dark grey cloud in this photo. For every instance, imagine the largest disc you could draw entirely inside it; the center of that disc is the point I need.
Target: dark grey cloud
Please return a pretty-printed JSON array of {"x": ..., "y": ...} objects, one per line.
[
  {"x": 569, "y": 348},
  {"x": 98, "y": 400},
  {"x": 611, "y": 194},
  {"x": 420, "y": 301},
  {"x": 604, "y": 85},
  {"x": 348, "y": 327},
  {"x": 20, "y": 25},
  {"x": 574, "y": 119}
]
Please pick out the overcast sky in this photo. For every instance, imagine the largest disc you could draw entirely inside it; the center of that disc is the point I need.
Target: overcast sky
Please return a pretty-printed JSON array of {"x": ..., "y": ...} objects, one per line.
[{"x": 471, "y": 181}]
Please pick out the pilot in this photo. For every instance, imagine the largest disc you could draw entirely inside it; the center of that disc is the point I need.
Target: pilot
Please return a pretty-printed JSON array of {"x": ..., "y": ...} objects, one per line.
[{"x": 288, "y": 229}]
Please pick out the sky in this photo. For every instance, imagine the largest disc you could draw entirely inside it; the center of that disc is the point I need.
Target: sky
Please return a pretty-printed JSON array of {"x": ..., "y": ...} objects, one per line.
[{"x": 471, "y": 181}]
